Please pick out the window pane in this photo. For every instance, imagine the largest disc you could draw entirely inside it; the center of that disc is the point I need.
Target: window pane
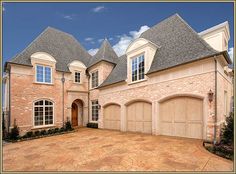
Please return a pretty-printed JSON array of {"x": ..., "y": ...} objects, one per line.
[
  {"x": 77, "y": 77},
  {"x": 95, "y": 79},
  {"x": 39, "y": 75},
  {"x": 95, "y": 110},
  {"x": 47, "y": 74},
  {"x": 138, "y": 68},
  {"x": 48, "y": 115},
  {"x": 43, "y": 113},
  {"x": 38, "y": 116}
]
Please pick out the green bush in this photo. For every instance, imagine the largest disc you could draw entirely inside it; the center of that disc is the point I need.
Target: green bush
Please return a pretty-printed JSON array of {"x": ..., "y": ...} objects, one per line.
[
  {"x": 43, "y": 132},
  {"x": 29, "y": 134},
  {"x": 62, "y": 129},
  {"x": 92, "y": 125},
  {"x": 68, "y": 126},
  {"x": 56, "y": 130},
  {"x": 14, "y": 134},
  {"x": 37, "y": 133},
  {"x": 227, "y": 132},
  {"x": 50, "y": 131}
]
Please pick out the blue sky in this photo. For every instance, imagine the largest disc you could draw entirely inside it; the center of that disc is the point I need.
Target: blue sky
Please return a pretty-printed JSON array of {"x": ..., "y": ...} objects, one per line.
[{"x": 89, "y": 23}]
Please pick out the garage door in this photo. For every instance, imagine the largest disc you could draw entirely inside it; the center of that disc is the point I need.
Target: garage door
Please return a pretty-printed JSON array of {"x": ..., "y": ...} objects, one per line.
[
  {"x": 182, "y": 116},
  {"x": 139, "y": 117},
  {"x": 112, "y": 117}
]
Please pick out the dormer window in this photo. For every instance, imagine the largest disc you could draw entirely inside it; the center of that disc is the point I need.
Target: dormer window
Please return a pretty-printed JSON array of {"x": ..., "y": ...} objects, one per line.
[
  {"x": 94, "y": 79},
  {"x": 43, "y": 74},
  {"x": 138, "y": 68},
  {"x": 77, "y": 77}
]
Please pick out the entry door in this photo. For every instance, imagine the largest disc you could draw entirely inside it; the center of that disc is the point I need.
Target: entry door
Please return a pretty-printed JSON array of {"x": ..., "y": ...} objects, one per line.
[{"x": 74, "y": 114}]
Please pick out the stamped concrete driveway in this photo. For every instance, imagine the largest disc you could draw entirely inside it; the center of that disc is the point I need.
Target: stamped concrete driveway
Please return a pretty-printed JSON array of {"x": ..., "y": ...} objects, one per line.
[{"x": 103, "y": 150}]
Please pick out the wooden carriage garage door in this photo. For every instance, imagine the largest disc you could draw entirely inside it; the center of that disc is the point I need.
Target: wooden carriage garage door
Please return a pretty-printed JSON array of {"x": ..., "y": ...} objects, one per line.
[
  {"x": 139, "y": 117},
  {"x": 182, "y": 116},
  {"x": 112, "y": 117}
]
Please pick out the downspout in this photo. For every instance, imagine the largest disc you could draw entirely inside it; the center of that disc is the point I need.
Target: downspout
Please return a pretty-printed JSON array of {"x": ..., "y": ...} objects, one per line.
[
  {"x": 63, "y": 81},
  {"x": 88, "y": 96},
  {"x": 9, "y": 99},
  {"x": 215, "y": 125}
]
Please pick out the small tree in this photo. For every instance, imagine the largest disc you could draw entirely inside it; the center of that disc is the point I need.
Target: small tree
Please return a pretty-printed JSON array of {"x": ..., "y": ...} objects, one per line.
[
  {"x": 227, "y": 132},
  {"x": 14, "y": 135},
  {"x": 3, "y": 125}
]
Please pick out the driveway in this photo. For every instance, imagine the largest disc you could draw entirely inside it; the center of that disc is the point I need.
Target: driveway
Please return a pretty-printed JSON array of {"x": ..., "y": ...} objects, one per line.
[{"x": 104, "y": 150}]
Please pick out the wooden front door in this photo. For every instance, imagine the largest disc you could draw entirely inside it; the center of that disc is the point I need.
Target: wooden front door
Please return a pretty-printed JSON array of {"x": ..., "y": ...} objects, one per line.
[{"x": 74, "y": 114}]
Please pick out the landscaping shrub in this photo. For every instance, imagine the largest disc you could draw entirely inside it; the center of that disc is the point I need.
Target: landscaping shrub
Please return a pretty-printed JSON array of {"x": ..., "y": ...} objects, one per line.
[
  {"x": 50, "y": 131},
  {"x": 43, "y": 132},
  {"x": 62, "y": 129},
  {"x": 29, "y": 134},
  {"x": 37, "y": 133},
  {"x": 92, "y": 125},
  {"x": 227, "y": 132},
  {"x": 68, "y": 126},
  {"x": 56, "y": 130},
  {"x": 14, "y": 134}
]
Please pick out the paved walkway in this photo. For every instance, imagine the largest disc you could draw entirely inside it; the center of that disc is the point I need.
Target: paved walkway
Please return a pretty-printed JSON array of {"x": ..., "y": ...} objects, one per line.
[{"x": 103, "y": 150}]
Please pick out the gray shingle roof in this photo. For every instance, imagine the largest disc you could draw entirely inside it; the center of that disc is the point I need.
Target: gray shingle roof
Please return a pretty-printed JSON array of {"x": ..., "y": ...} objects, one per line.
[
  {"x": 118, "y": 74},
  {"x": 178, "y": 42},
  {"x": 62, "y": 46},
  {"x": 105, "y": 53}
]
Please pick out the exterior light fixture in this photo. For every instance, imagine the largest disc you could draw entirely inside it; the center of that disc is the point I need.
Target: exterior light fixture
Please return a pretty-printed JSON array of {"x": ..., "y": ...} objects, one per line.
[{"x": 210, "y": 95}]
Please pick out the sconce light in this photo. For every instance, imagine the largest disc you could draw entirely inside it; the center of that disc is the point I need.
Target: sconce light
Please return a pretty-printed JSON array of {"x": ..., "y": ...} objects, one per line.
[{"x": 210, "y": 95}]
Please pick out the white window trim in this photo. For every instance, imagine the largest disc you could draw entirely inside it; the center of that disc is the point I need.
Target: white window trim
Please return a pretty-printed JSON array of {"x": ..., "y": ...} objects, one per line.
[
  {"x": 91, "y": 111},
  {"x": 53, "y": 121},
  {"x": 131, "y": 59},
  {"x": 79, "y": 77},
  {"x": 91, "y": 79},
  {"x": 43, "y": 74}
]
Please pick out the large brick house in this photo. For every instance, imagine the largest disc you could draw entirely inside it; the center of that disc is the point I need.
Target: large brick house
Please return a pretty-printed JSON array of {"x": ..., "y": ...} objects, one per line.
[{"x": 168, "y": 82}]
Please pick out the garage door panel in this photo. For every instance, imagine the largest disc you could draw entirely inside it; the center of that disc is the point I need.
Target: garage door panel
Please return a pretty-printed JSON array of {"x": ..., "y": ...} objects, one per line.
[
  {"x": 194, "y": 130},
  {"x": 179, "y": 109},
  {"x": 166, "y": 111},
  {"x": 147, "y": 127},
  {"x": 166, "y": 128},
  {"x": 147, "y": 112},
  {"x": 194, "y": 110},
  {"x": 139, "y": 116},
  {"x": 131, "y": 126},
  {"x": 111, "y": 117},
  {"x": 182, "y": 116},
  {"x": 139, "y": 111},
  {"x": 179, "y": 129}
]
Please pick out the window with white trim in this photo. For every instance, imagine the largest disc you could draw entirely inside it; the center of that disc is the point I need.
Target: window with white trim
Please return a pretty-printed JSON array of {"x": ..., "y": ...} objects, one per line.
[
  {"x": 94, "y": 79},
  {"x": 95, "y": 110},
  {"x": 43, "y": 74},
  {"x": 43, "y": 113},
  {"x": 77, "y": 77},
  {"x": 138, "y": 68}
]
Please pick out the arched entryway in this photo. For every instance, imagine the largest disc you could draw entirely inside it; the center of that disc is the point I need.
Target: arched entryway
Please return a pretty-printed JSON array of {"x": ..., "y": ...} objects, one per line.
[{"x": 77, "y": 113}]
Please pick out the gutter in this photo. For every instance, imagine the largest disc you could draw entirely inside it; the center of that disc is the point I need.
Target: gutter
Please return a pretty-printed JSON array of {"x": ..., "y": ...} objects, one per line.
[
  {"x": 215, "y": 121},
  {"x": 88, "y": 95},
  {"x": 63, "y": 102},
  {"x": 9, "y": 98}
]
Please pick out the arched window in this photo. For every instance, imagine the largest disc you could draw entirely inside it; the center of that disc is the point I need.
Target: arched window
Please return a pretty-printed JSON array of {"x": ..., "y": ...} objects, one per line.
[{"x": 43, "y": 113}]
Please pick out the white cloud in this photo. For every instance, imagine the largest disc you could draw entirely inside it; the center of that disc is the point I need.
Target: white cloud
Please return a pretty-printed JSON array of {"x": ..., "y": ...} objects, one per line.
[
  {"x": 100, "y": 40},
  {"x": 98, "y": 9},
  {"x": 125, "y": 40},
  {"x": 93, "y": 51},
  {"x": 88, "y": 39},
  {"x": 231, "y": 53},
  {"x": 69, "y": 16}
]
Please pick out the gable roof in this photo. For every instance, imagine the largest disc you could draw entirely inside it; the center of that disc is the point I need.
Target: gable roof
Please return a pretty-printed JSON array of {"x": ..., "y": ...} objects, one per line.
[
  {"x": 178, "y": 42},
  {"x": 62, "y": 46},
  {"x": 105, "y": 53}
]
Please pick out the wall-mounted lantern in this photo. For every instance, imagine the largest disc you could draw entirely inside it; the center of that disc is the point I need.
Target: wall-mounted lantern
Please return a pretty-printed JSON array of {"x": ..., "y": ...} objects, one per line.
[{"x": 210, "y": 95}]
